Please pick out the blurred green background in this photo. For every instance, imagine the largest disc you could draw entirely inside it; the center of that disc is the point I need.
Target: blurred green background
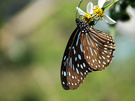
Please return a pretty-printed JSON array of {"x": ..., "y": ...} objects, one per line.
[{"x": 33, "y": 37}]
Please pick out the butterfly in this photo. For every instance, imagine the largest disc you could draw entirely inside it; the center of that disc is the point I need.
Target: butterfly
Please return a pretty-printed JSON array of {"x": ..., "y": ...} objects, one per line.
[{"x": 88, "y": 50}]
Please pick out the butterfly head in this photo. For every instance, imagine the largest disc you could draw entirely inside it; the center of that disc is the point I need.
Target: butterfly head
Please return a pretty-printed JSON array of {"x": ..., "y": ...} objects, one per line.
[{"x": 84, "y": 27}]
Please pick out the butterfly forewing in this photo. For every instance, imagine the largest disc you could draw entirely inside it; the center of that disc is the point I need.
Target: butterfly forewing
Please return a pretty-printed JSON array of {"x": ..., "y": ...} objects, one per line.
[
  {"x": 74, "y": 66},
  {"x": 77, "y": 68},
  {"x": 65, "y": 61}
]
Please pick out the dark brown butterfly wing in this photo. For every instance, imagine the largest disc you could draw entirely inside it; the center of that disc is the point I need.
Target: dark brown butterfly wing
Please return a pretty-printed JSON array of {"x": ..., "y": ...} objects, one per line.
[
  {"x": 74, "y": 67},
  {"x": 98, "y": 48}
]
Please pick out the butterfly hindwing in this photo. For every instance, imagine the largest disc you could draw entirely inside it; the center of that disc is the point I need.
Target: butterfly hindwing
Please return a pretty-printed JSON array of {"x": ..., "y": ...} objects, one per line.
[{"x": 98, "y": 47}]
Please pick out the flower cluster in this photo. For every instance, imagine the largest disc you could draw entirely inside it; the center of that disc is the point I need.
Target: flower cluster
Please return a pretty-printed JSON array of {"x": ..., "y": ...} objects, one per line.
[{"x": 95, "y": 13}]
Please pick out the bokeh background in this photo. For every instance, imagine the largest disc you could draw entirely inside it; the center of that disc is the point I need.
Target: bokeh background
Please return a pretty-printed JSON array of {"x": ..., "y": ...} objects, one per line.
[{"x": 33, "y": 37}]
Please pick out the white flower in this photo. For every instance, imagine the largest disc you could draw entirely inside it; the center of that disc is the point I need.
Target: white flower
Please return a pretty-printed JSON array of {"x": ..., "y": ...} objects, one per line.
[
  {"x": 87, "y": 16},
  {"x": 89, "y": 9},
  {"x": 96, "y": 12}
]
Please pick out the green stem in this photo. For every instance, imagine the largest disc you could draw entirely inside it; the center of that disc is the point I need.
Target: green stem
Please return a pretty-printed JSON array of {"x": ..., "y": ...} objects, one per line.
[
  {"x": 109, "y": 5},
  {"x": 112, "y": 31}
]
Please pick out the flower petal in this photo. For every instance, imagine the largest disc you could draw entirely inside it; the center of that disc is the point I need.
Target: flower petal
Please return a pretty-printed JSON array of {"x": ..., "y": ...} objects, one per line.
[
  {"x": 89, "y": 8},
  {"x": 108, "y": 19},
  {"x": 81, "y": 12},
  {"x": 101, "y": 3}
]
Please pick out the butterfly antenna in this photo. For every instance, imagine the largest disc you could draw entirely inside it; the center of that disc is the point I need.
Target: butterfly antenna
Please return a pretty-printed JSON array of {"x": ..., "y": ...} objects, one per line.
[
  {"x": 79, "y": 6},
  {"x": 80, "y": 3}
]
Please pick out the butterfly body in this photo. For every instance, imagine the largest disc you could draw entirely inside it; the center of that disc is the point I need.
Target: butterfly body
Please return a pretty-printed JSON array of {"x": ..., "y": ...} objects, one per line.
[
  {"x": 82, "y": 26},
  {"x": 87, "y": 50}
]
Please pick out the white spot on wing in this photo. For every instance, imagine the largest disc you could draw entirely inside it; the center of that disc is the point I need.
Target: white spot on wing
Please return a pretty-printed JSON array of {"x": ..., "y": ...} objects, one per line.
[
  {"x": 84, "y": 65},
  {"x": 103, "y": 53},
  {"x": 79, "y": 56},
  {"x": 69, "y": 74},
  {"x": 105, "y": 45},
  {"x": 100, "y": 57},
  {"x": 77, "y": 65},
  {"x": 77, "y": 71},
  {"x": 75, "y": 58},
  {"x": 95, "y": 52},
  {"x": 72, "y": 77},
  {"x": 99, "y": 61},
  {"x": 103, "y": 57},
  {"x": 91, "y": 64},
  {"x": 81, "y": 66},
  {"x": 104, "y": 63},
  {"x": 81, "y": 78},
  {"x": 91, "y": 51},
  {"x": 81, "y": 73},
  {"x": 81, "y": 48},
  {"x": 64, "y": 57},
  {"x": 63, "y": 82},
  {"x": 73, "y": 67},
  {"x": 96, "y": 66},
  {"x": 64, "y": 73}
]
